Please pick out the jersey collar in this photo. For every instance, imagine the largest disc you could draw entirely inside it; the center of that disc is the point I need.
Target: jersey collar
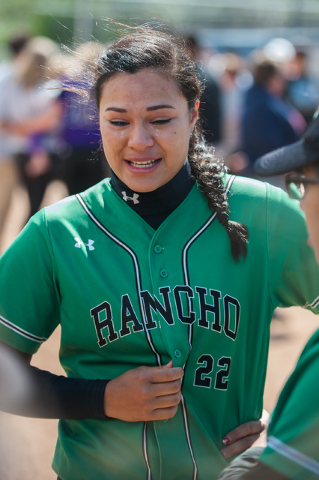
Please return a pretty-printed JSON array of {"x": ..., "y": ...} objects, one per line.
[{"x": 154, "y": 207}]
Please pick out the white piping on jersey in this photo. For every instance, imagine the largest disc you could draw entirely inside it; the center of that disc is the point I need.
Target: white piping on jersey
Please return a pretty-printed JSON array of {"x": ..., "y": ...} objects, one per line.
[
  {"x": 20, "y": 331},
  {"x": 293, "y": 455},
  {"x": 184, "y": 256},
  {"x": 314, "y": 304},
  {"x": 145, "y": 452},
  {"x": 190, "y": 336},
  {"x": 190, "y": 328},
  {"x": 229, "y": 185},
  {"x": 142, "y": 309},
  {"x": 137, "y": 272},
  {"x": 188, "y": 438},
  {"x": 201, "y": 230}
]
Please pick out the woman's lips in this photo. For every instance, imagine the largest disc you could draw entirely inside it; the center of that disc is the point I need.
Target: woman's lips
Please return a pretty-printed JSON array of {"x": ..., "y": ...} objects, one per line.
[{"x": 143, "y": 164}]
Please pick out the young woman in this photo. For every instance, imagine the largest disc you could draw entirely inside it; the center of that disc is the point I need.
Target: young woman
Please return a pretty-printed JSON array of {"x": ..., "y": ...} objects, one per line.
[{"x": 164, "y": 306}]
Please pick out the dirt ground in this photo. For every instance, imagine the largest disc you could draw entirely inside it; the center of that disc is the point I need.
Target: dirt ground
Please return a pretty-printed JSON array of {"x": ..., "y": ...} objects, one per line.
[{"x": 27, "y": 445}]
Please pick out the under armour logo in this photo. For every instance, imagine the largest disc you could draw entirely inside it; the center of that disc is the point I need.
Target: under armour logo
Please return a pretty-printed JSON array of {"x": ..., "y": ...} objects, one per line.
[
  {"x": 134, "y": 198},
  {"x": 79, "y": 243}
]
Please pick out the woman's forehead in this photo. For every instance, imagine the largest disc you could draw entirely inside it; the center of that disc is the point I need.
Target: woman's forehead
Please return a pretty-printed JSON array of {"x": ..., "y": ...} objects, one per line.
[
  {"x": 146, "y": 76},
  {"x": 146, "y": 86}
]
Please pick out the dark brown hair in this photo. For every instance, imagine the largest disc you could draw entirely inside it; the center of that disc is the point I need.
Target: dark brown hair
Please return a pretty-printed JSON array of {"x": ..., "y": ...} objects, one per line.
[
  {"x": 264, "y": 71},
  {"x": 160, "y": 48}
]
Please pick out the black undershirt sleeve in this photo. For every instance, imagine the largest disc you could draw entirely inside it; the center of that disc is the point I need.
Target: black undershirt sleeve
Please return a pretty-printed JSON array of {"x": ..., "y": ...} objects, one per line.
[{"x": 30, "y": 392}]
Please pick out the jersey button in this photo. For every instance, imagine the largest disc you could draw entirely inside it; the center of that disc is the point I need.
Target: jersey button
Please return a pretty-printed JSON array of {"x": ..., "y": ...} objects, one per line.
[
  {"x": 164, "y": 273},
  {"x": 158, "y": 249},
  {"x": 178, "y": 353}
]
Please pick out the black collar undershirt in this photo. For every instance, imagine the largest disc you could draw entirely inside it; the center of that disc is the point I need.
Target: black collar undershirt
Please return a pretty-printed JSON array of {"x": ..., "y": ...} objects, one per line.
[{"x": 154, "y": 207}]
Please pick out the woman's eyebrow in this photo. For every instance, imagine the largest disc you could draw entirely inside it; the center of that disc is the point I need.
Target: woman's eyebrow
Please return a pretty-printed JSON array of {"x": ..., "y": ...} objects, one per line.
[
  {"x": 149, "y": 109},
  {"x": 116, "y": 109},
  {"x": 158, "y": 107}
]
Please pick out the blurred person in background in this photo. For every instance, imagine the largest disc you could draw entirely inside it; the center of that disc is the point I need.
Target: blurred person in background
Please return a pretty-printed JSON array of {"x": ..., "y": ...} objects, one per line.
[
  {"x": 30, "y": 114},
  {"x": 8, "y": 169},
  {"x": 210, "y": 106},
  {"x": 302, "y": 87},
  {"x": 15, "y": 45},
  {"x": 84, "y": 161},
  {"x": 234, "y": 80},
  {"x": 293, "y": 433},
  {"x": 268, "y": 120}
]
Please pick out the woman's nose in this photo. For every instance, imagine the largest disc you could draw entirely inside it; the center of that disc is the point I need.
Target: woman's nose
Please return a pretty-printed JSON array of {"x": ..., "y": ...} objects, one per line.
[{"x": 140, "y": 138}]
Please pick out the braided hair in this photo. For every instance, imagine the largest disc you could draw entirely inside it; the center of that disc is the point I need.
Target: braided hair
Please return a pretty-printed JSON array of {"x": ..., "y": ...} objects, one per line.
[
  {"x": 164, "y": 50},
  {"x": 208, "y": 172}
]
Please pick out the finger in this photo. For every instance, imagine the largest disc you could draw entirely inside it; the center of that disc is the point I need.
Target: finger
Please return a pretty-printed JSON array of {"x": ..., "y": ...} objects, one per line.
[
  {"x": 238, "y": 447},
  {"x": 166, "y": 388},
  {"x": 168, "y": 365},
  {"x": 161, "y": 375},
  {"x": 164, "y": 413},
  {"x": 166, "y": 401},
  {"x": 244, "y": 430}
]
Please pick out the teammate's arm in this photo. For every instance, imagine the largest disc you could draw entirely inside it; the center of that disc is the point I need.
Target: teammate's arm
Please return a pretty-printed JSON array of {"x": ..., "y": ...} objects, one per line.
[
  {"x": 247, "y": 467},
  {"x": 263, "y": 472}
]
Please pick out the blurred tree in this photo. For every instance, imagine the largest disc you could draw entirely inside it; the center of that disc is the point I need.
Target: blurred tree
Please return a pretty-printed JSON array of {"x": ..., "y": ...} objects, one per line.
[
  {"x": 80, "y": 20},
  {"x": 58, "y": 28},
  {"x": 16, "y": 15}
]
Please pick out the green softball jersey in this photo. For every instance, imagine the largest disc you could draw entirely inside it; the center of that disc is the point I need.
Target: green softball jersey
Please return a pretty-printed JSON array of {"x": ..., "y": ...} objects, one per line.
[
  {"x": 127, "y": 295},
  {"x": 292, "y": 447}
]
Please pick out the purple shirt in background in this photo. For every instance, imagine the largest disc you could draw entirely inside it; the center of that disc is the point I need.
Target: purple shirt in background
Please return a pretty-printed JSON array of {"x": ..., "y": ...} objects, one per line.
[{"x": 80, "y": 126}]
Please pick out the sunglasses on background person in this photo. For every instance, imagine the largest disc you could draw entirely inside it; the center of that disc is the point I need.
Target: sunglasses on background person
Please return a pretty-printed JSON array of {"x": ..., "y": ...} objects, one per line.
[{"x": 296, "y": 185}]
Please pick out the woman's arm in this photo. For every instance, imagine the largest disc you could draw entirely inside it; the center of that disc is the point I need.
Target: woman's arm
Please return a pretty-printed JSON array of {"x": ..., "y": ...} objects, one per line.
[
  {"x": 28, "y": 391},
  {"x": 140, "y": 394},
  {"x": 46, "y": 122}
]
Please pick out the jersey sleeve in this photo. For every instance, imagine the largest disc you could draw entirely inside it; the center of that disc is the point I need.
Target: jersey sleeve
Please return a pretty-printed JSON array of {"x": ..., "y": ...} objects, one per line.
[
  {"x": 29, "y": 293},
  {"x": 247, "y": 467},
  {"x": 293, "y": 271},
  {"x": 292, "y": 447}
]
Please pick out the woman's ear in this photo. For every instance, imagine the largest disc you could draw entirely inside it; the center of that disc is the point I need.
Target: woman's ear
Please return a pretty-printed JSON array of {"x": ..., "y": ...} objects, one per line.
[{"x": 194, "y": 114}]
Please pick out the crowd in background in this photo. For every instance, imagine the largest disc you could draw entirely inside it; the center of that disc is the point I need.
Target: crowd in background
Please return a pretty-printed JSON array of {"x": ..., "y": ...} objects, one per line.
[
  {"x": 250, "y": 106},
  {"x": 266, "y": 101}
]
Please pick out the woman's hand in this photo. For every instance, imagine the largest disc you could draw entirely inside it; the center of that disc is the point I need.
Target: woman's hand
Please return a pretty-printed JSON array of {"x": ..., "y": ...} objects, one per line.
[
  {"x": 144, "y": 394},
  {"x": 245, "y": 436}
]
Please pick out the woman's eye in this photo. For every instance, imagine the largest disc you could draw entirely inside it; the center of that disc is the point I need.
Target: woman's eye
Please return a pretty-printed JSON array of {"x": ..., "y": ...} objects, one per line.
[
  {"x": 162, "y": 121},
  {"x": 118, "y": 123}
]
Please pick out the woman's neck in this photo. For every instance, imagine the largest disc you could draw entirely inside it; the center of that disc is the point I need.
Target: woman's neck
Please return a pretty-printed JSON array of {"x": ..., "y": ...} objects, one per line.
[{"x": 154, "y": 207}]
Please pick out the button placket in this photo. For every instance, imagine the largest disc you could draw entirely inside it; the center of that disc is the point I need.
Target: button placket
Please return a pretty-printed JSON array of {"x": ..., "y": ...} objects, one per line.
[{"x": 158, "y": 259}]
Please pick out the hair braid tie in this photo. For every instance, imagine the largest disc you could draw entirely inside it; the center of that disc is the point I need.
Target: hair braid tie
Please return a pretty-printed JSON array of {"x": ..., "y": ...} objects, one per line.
[{"x": 223, "y": 219}]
